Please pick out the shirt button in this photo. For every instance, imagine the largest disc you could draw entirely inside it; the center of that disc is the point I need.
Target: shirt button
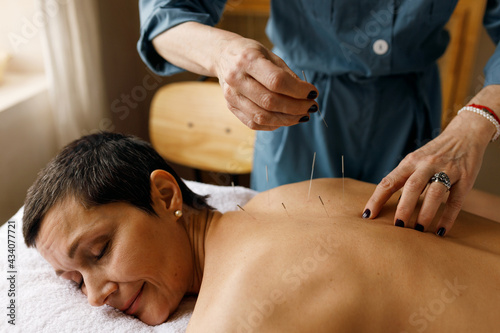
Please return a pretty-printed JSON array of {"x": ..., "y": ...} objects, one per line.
[{"x": 380, "y": 47}]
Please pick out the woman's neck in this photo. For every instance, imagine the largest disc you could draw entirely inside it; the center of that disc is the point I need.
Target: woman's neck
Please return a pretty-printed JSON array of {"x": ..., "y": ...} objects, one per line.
[{"x": 197, "y": 224}]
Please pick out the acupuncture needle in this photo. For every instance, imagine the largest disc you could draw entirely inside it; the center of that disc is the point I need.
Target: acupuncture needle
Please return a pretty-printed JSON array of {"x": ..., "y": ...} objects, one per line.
[
  {"x": 245, "y": 211},
  {"x": 312, "y": 172},
  {"x": 319, "y": 196},
  {"x": 285, "y": 209}
]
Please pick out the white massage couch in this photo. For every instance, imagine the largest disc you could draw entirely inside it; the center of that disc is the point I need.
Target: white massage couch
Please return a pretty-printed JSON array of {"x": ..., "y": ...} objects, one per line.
[{"x": 46, "y": 303}]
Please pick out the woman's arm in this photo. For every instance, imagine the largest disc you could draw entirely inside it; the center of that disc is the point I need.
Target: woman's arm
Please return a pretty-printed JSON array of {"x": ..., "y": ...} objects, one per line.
[
  {"x": 458, "y": 152},
  {"x": 261, "y": 90},
  {"x": 193, "y": 46}
]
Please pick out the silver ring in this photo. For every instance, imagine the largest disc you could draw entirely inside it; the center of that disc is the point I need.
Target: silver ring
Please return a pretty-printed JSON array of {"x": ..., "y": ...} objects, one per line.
[{"x": 442, "y": 178}]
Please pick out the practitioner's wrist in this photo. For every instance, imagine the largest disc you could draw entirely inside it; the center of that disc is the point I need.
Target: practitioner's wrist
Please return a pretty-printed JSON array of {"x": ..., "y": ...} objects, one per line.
[{"x": 487, "y": 114}]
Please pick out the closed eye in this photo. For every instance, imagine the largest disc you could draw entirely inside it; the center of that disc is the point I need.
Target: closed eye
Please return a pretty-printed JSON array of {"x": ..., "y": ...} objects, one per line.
[
  {"x": 103, "y": 251},
  {"x": 98, "y": 257}
]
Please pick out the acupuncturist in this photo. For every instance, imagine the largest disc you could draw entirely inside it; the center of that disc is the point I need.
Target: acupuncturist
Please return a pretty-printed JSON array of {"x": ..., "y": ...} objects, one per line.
[{"x": 372, "y": 74}]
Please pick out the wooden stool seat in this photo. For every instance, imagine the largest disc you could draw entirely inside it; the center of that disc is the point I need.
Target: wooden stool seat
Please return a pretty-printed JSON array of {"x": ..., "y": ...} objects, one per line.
[{"x": 190, "y": 124}]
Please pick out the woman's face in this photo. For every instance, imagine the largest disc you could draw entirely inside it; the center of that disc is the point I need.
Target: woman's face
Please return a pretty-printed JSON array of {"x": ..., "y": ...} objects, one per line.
[{"x": 138, "y": 263}]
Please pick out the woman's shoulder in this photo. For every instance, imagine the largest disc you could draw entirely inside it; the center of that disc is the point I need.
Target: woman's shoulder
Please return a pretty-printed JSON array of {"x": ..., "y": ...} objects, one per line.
[{"x": 321, "y": 189}]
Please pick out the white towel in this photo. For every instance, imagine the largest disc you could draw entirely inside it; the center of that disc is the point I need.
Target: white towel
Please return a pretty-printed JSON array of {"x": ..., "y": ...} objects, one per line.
[{"x": 46, "y": 303}]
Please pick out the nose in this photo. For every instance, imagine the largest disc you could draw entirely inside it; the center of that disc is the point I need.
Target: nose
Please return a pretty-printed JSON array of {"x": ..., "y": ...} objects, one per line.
[{"x": 98, "y": 289}]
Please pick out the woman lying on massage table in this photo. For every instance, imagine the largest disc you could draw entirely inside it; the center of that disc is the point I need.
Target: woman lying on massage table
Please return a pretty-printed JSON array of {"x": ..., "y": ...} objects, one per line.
[{"x": 109, "y": 214}]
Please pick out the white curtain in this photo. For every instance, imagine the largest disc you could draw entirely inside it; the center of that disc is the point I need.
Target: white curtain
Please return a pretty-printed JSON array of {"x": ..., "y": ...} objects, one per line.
[{"x": 71, "y": 45}]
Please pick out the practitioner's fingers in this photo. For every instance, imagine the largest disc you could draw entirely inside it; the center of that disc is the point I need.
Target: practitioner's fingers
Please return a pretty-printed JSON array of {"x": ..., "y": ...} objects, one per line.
[
  {"x": 412, "y": 190},
  {"x": 258, "y": 118},
  {"x": 385, "y": 189},
  {"x": 260, "y": 89},
  {"x": 452, "y": 208},
  {"x": 273, "y": 73},
  {"x": 434, "y": 196},
  {"x": 270, "y": 100}
]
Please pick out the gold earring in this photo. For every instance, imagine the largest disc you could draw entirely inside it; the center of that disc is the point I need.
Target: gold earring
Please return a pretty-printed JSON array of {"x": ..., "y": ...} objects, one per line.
[{"x": 178, "y": 213}]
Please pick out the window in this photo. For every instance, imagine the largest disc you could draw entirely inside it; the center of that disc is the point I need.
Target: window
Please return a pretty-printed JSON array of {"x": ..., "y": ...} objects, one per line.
[{"x": 21, "y": 52}]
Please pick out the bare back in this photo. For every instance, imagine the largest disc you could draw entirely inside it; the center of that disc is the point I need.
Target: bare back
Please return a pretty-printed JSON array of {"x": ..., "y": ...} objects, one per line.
[{"x": 291, "y": 264}]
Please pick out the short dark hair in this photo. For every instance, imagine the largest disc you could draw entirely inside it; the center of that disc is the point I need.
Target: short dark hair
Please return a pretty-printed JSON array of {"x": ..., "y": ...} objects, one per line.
[{"x": 99, "y": 169}]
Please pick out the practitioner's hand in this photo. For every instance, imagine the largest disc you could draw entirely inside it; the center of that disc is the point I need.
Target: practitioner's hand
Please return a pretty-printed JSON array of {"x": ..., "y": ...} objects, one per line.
[
  {"x": 458, "y": 152},
  {"x": 259, "y": 87}
]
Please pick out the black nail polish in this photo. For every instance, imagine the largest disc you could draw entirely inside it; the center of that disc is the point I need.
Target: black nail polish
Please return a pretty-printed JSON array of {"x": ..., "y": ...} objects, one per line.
[
  {"x": 313, "y": 109},
  {"x": 366, "y": 214},
  {"x": 400, "y": 223},
  {"x": 419, "y": 227},
  {"x": 312, "y": 95},
  {"x": 441, "y": 232},
  {"x": 304, "y": 119}
]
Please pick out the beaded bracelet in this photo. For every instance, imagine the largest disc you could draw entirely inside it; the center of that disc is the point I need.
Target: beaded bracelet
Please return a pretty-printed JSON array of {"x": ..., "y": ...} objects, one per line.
[
  {"x": 487, "y": 109},
  {"x": 486, "y": 115}
]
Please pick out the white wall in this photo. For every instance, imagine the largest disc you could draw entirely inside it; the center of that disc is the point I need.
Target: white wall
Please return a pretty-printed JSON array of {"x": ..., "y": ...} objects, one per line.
[
  {"x": 20, "y": 35},
  {"x": 27, "y": 142}
]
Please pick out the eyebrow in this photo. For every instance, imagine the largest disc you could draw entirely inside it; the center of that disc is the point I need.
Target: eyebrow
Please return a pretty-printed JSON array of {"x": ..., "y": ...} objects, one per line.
[
  {"x": 71, "y": 252},
  {"x": 76, "y": 243},
  {"x": 73, "y": 247}
]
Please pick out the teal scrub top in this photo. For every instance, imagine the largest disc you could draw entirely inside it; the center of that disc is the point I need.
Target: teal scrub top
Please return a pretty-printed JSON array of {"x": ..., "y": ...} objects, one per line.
[{"x": 374, "y": 64}]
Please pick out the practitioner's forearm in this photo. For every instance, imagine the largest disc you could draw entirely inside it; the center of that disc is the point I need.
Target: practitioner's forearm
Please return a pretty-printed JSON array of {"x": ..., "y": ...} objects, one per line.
[
  {"x": 260, "y": 89},
  {"x": 488, "y": 96},
  {"x": 193, "y": 46}
]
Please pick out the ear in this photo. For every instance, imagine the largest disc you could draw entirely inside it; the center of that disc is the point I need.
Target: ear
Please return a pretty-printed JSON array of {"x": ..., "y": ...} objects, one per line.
[{"x": 165, "y": 192}]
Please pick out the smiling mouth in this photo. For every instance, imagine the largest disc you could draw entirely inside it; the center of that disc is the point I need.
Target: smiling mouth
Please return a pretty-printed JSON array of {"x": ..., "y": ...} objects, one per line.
[{"x": 133, "y": 303}]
